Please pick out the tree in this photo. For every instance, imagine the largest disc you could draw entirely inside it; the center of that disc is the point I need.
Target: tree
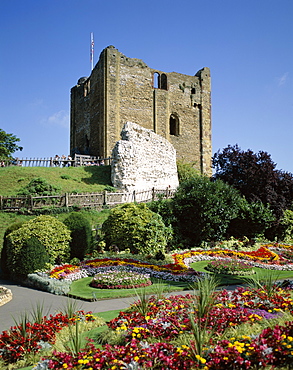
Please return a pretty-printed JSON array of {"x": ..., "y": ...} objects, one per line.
[
  {"x": 8, "y": 144},
  {"x": 203, "y": 209},
  {"x": 255, "y": 176}
]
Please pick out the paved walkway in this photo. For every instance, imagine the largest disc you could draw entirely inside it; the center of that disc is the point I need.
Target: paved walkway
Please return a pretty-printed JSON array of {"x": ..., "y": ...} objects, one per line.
[{"x": 25, "y": 299}]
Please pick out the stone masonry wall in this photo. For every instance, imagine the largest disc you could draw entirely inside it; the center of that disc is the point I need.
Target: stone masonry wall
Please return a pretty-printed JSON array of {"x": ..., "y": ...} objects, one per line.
[
  {"x": 143, "y": 160},
  {"x": 122, "y": 89}
]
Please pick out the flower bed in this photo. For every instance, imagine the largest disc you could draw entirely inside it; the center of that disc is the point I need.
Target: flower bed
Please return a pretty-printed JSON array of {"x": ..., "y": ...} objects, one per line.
[
  {"x": 231, "y": 267},
  {"x": 27, "y": 337},
  {"x": 89, "y": 268},
  {"x": 161, "y": 337},
  {"x": 264, "y": 257},
  {"x": 123, "y": 279}
]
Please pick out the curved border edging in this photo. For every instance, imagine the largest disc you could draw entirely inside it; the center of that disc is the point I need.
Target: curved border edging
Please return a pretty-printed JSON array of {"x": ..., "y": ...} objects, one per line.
[{"x": 5, "y": 295}]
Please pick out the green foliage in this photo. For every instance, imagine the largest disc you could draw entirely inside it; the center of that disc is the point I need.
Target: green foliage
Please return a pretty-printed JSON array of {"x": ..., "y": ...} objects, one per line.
[
  {"x": 81, "y": 235},
  {"x": 51, "y": 233},
  {"x": 3, "y": 262},
  {"x": 8, "y": 144},
  {"x": 164, "y": 208},
  {"x": 255, "y": 176},
  {"x": 285, "y": 230},
  {"x": 186, "y": 170},
  {"x": 38, "y": 187},
  {"x": 32, "y": 256},
  {"x": 43, "y": 282},
  {"x": 204, "y": 209},
  {"x": 136, "y": 227},
  {"x": 252, "y": 221}
]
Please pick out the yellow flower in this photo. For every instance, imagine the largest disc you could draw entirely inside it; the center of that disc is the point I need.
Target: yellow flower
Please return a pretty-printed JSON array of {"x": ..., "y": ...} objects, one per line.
[{"x": 201, "y": 359}]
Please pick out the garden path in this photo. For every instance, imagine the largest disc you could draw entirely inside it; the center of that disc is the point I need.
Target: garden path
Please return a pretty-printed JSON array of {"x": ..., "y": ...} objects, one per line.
[{"x": 25, "y": 299}]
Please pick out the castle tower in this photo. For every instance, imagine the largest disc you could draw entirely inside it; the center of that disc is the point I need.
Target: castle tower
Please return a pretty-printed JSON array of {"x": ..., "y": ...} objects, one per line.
[{"x": 121, "y": 89}]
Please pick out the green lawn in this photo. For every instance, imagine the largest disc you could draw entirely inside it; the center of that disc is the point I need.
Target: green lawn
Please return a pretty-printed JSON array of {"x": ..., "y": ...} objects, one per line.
[
  {"x": 81, "y": 289},
  {"x": 231, "y": 280}
]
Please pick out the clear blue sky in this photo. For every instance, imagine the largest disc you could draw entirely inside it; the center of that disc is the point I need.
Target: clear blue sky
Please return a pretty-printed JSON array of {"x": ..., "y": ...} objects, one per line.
[{"x": 248, "y": 45}]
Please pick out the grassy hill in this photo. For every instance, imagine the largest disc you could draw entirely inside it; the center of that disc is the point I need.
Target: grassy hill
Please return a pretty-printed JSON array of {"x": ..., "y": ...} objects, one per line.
[{"x": 68, "y": 179}]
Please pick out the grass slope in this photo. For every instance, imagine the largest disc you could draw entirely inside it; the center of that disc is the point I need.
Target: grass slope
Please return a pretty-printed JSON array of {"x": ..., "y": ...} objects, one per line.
[{"x": 68, "y": 179}]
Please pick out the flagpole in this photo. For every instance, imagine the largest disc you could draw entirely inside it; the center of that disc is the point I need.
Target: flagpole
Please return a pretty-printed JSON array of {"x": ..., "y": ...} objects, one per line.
[{"x": 92, "y": 51}]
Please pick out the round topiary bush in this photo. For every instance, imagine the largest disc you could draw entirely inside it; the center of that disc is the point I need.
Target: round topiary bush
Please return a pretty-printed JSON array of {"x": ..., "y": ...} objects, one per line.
[
  {"x": 136, "y": 227},
  {"x": 50, "y": 232},
  {"x": 81, "y": 235},
  {"x": 32, "y": 256},
  {"x": 3, "y": 261}
]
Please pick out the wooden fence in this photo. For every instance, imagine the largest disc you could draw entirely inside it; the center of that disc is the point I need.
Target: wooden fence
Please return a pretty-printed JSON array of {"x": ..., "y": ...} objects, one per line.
[
  {"x": 79, "y": 160},
  {"x": 87, "y": 200}
]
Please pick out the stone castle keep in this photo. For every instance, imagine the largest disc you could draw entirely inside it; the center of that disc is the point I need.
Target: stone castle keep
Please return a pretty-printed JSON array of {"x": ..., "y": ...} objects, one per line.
[{"x": 121, "y": 89}]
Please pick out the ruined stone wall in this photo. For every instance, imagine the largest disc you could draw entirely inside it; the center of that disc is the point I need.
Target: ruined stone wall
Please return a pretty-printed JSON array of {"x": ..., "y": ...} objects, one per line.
[
  {"x": 125, "y": 89},
  {"x": 143, "y": 160}
]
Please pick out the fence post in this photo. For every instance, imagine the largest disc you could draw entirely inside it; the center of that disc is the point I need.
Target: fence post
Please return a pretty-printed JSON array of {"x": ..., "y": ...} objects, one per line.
[
  {"x": 153, "y": 194},
  {"x": 105, "y": 198},
  {"x": 66, "y": 199},
  {"x": 134, "y": 196},
  {"x": 31, "y": 202},
  {"x": 1, "y": 202}
]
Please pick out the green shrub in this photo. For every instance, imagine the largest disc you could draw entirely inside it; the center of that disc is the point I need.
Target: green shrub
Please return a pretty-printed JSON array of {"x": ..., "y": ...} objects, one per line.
[
  {"x": 285, "y": 228},
  {"x": 81, "y": 235},
  {"x": 43, "y": 282},
  {"x": 164, "y": 208},
  {"x": 3, "y": 262},
  {"x": 136, "y": 227},
  {"x": 204, "y": 209},
  {"x": 32, "y": 256},
  {"x": 38, "y": 187},
  {"x": 51, "y": 233},
  {"x": 186, "y": 170},
  {"x": 252, "y": 221}
]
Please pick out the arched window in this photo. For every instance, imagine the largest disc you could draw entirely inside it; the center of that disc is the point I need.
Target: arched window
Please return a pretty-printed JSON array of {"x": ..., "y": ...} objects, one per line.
[
  {"x": 156, "y": 80},
  {"x": 160, "y": 81},
  {"x": 164, "y": 85},
  {"x": 174, "y": 125}
]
